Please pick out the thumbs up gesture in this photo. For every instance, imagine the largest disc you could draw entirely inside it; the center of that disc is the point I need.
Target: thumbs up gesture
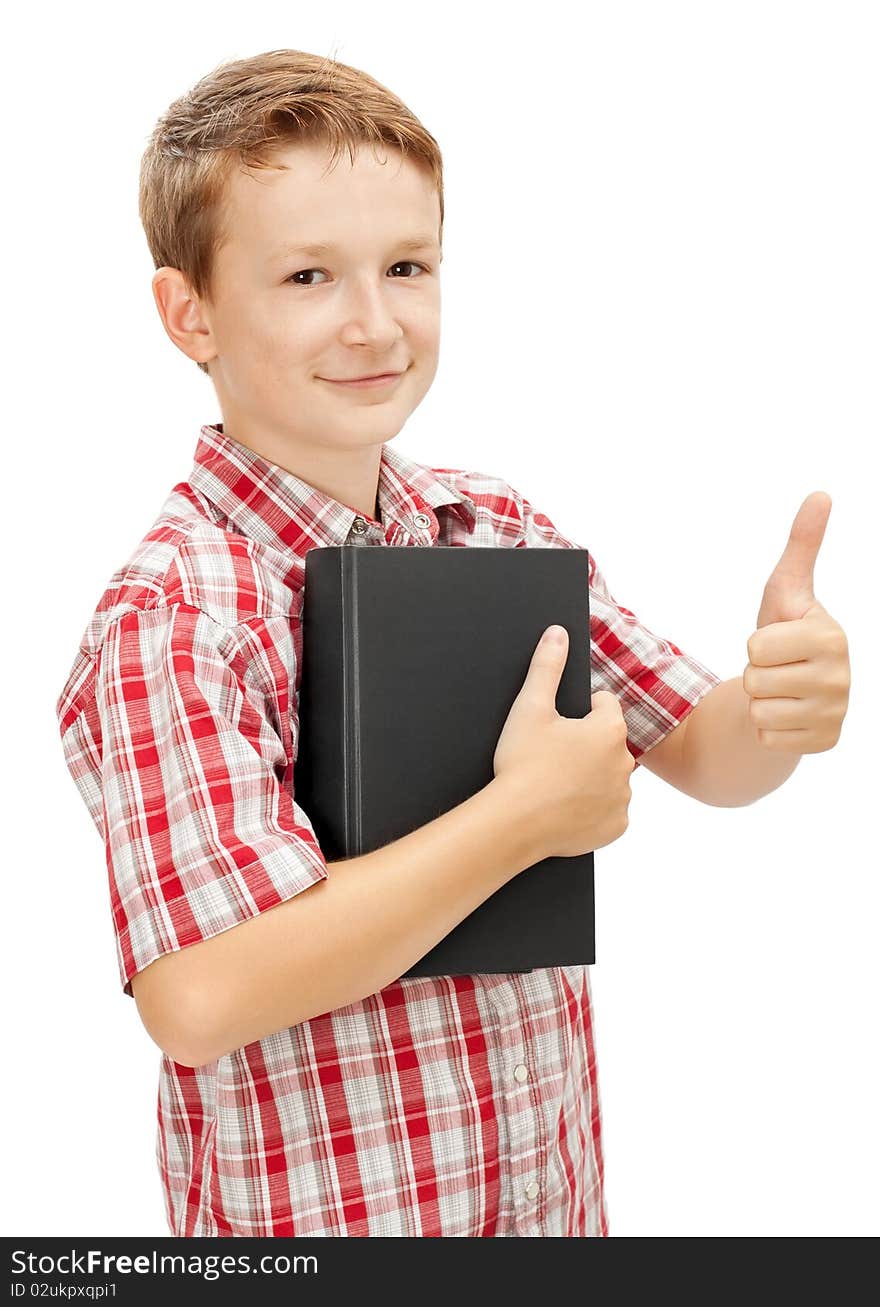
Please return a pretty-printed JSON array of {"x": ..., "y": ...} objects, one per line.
[{"x": 798, "y": 675}]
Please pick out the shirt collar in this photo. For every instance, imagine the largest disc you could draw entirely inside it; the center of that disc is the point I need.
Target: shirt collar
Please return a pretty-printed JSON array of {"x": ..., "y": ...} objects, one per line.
[{"x": 270, "y": 504}]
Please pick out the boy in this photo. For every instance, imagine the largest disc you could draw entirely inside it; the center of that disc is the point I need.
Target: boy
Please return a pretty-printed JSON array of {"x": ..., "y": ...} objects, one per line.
[{"x": 305, "y": 1088}]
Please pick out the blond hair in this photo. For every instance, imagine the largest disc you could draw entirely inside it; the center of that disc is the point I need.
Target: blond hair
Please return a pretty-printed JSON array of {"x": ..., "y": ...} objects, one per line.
[{"x": 243, "y": 113}]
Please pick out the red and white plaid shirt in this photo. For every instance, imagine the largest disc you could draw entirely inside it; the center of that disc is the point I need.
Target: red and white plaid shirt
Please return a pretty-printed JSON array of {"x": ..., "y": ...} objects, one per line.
[{"x": 450, "y": 1106}]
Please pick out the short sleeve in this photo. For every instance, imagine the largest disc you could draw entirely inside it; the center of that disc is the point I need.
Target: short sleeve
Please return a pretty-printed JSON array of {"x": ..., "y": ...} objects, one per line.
[
  {"x": 201, "y": 828},
  {"x": 656, "y": 682}
]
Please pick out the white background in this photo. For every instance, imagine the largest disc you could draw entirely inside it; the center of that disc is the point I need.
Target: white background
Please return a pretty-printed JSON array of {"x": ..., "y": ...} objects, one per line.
[{"x": 660, "y": 323}]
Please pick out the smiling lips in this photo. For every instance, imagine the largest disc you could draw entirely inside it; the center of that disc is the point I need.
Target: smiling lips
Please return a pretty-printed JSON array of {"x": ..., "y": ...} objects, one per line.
[
  {"x": 380, "y": 379},
  {"x": 372, "y": 376}
]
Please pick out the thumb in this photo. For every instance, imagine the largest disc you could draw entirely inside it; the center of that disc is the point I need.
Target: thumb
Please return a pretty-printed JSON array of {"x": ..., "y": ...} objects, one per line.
[
  {"x": 548, "y": 662},
  {"x": 788, "y": 594}
]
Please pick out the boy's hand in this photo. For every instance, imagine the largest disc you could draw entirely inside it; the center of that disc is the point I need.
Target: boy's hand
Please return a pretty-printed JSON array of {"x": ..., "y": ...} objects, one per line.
[
  {"x": 798, "y": 674},
  {"x": 569, "y": 775}
]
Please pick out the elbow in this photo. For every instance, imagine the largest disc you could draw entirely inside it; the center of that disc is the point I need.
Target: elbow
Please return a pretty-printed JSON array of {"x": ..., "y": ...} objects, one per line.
[
  {"x": 190, "y": 1040},
  {"x": 173, "y": 1017},
  {"x": 170, "y": 1040},
  {"x": 183, "y": 1048},
  {"x": 727, "y": 802}
]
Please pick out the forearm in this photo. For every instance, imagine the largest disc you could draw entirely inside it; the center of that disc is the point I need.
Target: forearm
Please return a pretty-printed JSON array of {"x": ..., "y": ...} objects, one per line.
[
  {"x": 368, "y": 922},
  {"x": 723, "y": 761}
]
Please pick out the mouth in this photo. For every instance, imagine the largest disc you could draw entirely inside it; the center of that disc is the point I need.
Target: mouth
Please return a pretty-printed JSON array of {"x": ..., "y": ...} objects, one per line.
[{"x": 377, "y": 379}]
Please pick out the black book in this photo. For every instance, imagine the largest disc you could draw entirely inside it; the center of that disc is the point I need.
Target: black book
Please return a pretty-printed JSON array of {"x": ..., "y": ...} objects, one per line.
[{"x": 411, "y": 660}]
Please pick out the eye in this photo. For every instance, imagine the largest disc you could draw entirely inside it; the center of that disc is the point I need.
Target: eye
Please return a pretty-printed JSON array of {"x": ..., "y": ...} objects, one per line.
[
  {"x": 401, "y": 263},
  {"x": 407, "y": 263},
  {"x": 305, "y": 272}
]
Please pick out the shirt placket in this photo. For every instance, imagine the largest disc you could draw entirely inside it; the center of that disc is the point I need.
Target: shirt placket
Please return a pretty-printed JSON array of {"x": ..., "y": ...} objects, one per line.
[
  {"x": 523, "y": 1120},
  {"x": 518, "y": 1098}
]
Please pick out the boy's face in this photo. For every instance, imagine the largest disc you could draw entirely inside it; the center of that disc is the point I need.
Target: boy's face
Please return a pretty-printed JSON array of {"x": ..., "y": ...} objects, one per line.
[{"x": 286, "y": 324}]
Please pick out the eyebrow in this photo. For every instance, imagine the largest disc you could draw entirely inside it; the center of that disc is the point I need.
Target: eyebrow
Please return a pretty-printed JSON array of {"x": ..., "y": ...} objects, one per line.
[{"x": 320, "y": 248}]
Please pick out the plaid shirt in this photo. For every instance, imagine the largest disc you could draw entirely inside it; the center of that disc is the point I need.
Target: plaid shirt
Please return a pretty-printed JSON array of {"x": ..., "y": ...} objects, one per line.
[{"x": 450, "y": 1106}]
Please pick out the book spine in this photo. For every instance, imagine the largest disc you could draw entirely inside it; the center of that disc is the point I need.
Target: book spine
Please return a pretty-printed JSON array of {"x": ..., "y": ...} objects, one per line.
[
  {"x": 351, "y": 703},
  {"x": 323, "y": 753}
]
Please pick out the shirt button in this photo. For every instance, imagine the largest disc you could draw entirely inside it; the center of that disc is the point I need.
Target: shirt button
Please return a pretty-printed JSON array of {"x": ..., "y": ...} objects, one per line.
[
  {"x": 359, "y": 526},
  {"x": 521, "y": 1073},
  {"x": 421, "y": 520},
  {"x": 532, "y": 1189}
]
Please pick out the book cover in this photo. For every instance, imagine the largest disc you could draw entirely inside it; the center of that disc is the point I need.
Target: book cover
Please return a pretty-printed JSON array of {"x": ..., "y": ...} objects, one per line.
[{"x": 411, "y": 660}]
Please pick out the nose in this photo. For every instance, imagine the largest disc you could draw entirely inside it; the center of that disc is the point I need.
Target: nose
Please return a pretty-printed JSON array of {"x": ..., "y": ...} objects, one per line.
[{"x": 369, "y": 316}]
